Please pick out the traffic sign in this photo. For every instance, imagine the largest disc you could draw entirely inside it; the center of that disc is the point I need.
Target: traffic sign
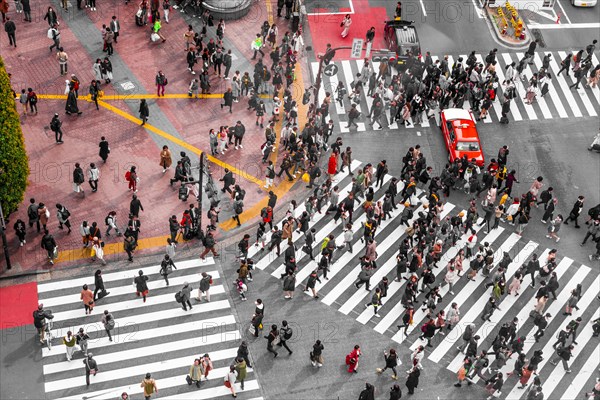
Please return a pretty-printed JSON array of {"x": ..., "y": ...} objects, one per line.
[
  {"x": 357, "y": 45},
  {"x": 330, "y": 70}
]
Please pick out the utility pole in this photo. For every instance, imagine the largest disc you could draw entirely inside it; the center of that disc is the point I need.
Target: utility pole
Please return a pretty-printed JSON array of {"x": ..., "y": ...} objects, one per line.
[{"x": 200, "y": 181}]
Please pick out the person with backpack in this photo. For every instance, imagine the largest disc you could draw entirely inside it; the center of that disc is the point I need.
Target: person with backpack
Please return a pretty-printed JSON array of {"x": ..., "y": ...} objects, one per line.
[
  {"x": 32, "y": 100},
  {"x": 184, "y": 296},
  {"x": 54, "y": 35},
  {"x": 78, "y": 179},
  {"x": 285, "y": 334},
  {"x": 55, "y": 126},
  {"x": 63, "y": 215},
  {"x": 109, "y": 323},
  {"x": 49, "y": 244},
  {"x": 111, "y": 222},
  {"x": 166, "y": 267},
  {"x": 564, "y": 354}
]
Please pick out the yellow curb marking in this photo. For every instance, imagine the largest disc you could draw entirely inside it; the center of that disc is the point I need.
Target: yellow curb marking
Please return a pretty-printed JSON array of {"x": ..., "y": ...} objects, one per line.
[{"x": 123, "y": 97}]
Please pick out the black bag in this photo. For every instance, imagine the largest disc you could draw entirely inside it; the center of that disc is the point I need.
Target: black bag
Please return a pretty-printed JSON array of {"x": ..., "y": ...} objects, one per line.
[
  {"x": 65, "y": 213},
  {"x": 288, "y": 334},
  {"x": 178, "y": 297},
  {"x": 188, "y": 379}
]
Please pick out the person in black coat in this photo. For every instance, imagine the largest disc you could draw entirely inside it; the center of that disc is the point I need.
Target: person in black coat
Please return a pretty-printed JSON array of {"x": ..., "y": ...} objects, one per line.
[
  {"x": 26, "y": 10},
  {"x": 575, "y": 211},
  {"x": 228, "y": 180},
  {"x": 141, "y": 286},
  {"x": 413, "y": 380},
  {"x": 395, "y": 392},
  {"x": 104, "y": 149},
  {"x": 144, "y": 111},
  {"x": 99, "y": 286},
  {"x": 227, "y": 99},
  {"x": 135, "y": 206},
  {"x": 71, "y": 106},
  {"x": 368, "y": 393}
]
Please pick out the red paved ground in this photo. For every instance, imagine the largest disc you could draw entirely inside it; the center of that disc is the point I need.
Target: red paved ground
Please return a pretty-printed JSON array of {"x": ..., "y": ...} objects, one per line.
[
  {"x": 51, "y": 165},
  {"x": 326, "y": 28},
  {"x": 16, "y": 305}
]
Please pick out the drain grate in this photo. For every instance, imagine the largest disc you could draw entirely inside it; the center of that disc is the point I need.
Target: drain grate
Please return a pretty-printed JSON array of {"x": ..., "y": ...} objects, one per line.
[{"x": 537, "y": 34}]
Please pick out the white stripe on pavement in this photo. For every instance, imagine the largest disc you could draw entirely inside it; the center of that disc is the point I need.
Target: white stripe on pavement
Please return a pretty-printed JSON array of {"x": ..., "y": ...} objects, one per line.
[
  {"x": 126, "y": 289},
  {"x": 119, "y": 275},
  {"x": 199, "y": 341},
  {"x": 183, "y": 363},
  {"x": 383, "y": 270},
  {"x": 449, "y": 340}
]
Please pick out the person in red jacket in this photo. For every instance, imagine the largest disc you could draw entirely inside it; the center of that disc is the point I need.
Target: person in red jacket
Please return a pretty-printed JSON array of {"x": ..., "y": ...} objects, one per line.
[
  {"x": 332, "y": 165},
  {"x": 352, "y": 359}
]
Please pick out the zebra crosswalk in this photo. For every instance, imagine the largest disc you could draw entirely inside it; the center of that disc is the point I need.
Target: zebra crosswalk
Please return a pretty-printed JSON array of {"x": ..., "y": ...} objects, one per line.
[
  {"x": 155, "y": 336},
  {"x": 561, "y": 102},
  {"x": 339, "y": 292}
]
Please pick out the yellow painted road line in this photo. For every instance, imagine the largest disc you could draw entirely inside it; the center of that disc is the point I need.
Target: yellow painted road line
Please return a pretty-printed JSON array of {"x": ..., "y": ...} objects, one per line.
[
  {"x": 123, "y": 97},
  {"x": 110, "y": 249},
  {"x": 176, "y": 140}
]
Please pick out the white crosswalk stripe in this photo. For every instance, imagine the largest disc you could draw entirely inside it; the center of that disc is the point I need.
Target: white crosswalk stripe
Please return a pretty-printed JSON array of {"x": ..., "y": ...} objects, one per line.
[
  {"x": 340, "y": 293},
  {"x": 156, "y": 334},
  {"x": 561, "y": 101}
]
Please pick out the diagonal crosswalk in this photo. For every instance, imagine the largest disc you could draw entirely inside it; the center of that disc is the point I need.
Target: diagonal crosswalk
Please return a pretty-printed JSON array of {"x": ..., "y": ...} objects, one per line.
[
  {"x": 155, "y": 336},
  {"x": 340, "y": 293},
  {"x": 560, "y": 102}
]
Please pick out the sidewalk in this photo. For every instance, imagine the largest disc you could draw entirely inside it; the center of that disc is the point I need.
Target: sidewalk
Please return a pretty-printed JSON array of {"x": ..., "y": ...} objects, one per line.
[{"x": 188, "y": 120}]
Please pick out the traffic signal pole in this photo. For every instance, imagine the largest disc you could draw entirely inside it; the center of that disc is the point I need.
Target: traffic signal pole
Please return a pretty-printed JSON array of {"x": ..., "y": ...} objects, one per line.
[{"x": 318, "y": 80}]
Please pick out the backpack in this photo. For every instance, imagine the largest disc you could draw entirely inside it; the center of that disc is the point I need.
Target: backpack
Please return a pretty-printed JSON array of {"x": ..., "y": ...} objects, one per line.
[
  {"x": 288, "y": 334},
  {"x": 263, "y": 212},
  {"x": 178, "y": 297},
  {"x": 106, "y": 220},
  {"x": 65, "y": 213},
  {"x": 128, "y": 175},
  {"x": 424, "y": 328},
  {"x": 238, "y": 208}
]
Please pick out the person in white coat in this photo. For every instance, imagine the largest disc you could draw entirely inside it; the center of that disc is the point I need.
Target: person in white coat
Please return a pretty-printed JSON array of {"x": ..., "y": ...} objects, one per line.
[
  {"x": 450, "y": 278},
  {"x": 347, "y": 21},
  {"x": 298, "y": 43},
  {"x": 97, "y": 70},
  {"x": 93, "y": 176},
  {"x": 97, "y": 251}
]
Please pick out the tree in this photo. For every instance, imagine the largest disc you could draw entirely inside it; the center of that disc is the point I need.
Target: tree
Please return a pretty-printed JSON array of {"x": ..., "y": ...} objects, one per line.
[{"x": 14, "y": 164}]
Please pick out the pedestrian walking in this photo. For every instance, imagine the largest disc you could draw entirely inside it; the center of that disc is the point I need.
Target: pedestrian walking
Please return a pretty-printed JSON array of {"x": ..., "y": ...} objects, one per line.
[
  {"x": 82, "y": 341},
  {"x": 144, "y": 111},
  {"x": 54, "y": 35},
  {"x": 368, "y": 393},
  {"x": 353, "y": 358},
  {"x": 241, "y": 370},
  {"x": 69, "y": 341},
  {"x": 412, "y": 382},
  {"x": 204, "y": 288},
  {"x": 71, "y": 105},
  {"x": 166, "y": 267},
  {"x": 285, "y": 334},
  {"x": 108, "y": 321},
  {"x": 93, "y": 176},
  {"x": 311, "y": 283},
  {"x": 91, "y": 367},
  {"x": 244, "y": 354},
  {"x": 289, "y": 283},
  {"x": 346, "y": 22},
  {"x": 272, "y": 339},
  {"x": 104, "y": 149},
  {"x": 563, "y": 354},
  {"x": 316, "y": 355},
  {"x": 141, "y": 286},
  {"x": 391, "y": 361},
  {"x": 575, "y": 212},
  {"x": 207, "y": 365},
  {"x": 62, "y": 215},
  {"x": 149, "y": 386},
  {"x": 20, "y": 231},
  {"x": 229, "y": 380},
  {"x": 195, "y": 373},
  {"x": 87, "y": 297},
  {"x": 10, "y": 28},
  {"x": 99, "y": 288}
]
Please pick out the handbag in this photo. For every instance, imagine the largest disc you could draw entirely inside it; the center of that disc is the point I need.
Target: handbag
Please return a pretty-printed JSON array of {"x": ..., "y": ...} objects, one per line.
[
  {"x": 154, "y": 36},
  {"x": 341, "y": 23},
  {"x": 139, "y": 13},
  {"x": 188, "y": 379}
]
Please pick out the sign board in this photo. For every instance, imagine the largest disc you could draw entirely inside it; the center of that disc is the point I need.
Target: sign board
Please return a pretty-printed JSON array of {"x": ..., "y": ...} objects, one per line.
[
  {"x": 357, "y": 45},
  {"x": 331, "y": 70},
  {"x": 368, "y": 52}
]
